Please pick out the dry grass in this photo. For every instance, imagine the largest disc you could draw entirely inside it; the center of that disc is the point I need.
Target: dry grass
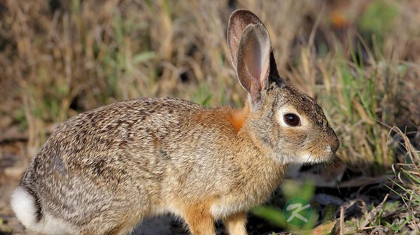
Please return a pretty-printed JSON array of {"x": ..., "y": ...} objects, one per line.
[{"x": 360, "y": 60}]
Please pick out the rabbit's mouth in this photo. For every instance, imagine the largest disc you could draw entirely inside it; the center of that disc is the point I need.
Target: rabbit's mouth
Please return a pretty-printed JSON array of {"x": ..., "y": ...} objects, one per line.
[
  {"x": 319, "y": 156},
  {"x": 308, "y": 157}
]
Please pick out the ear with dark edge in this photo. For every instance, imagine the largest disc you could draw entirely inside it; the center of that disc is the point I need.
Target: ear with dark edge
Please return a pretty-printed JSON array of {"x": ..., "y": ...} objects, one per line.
[
  {"x": 253, "y": 61},
  {"x": 238, "y": 22}
]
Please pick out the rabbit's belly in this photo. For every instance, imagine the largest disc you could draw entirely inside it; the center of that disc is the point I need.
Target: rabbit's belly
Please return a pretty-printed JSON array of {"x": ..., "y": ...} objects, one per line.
[
  {"x": 240, "y": 201},
  {"x": 224, "y": 208},
  {"x": 158, "y": 210}
]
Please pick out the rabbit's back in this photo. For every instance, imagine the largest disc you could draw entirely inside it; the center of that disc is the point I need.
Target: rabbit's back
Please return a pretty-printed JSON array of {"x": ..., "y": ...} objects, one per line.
[{"x": 106, "y": 141}]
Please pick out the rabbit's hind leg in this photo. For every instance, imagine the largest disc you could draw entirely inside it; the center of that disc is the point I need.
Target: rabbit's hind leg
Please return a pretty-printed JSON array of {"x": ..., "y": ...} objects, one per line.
[
  {"x": 112, "y": 223},
  {"x": 113, "y": 230}
]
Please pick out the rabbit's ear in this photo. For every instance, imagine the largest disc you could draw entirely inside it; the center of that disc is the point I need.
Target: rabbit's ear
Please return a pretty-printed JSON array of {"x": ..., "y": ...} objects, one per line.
[
  {"x": 238, "y": 21},
  {"x": 253, "y": 61}
]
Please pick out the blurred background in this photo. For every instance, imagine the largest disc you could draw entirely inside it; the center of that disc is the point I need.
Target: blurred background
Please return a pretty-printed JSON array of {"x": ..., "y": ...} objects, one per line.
[{"x": 359, "y": 59}]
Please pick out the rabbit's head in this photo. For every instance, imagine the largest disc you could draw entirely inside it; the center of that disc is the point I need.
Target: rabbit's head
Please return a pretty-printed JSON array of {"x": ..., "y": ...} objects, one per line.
[{"x": 285, "y": 122}]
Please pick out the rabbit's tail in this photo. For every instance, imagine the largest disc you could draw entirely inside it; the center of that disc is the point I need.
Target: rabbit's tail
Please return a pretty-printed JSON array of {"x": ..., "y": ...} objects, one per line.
[{"x": 26, "y": 206}]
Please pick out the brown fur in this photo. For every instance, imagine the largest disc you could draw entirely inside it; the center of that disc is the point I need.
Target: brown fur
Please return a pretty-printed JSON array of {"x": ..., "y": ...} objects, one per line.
[
  {"x": 199, "y": 218},
  {"x": 102, "y": 171},
  {"x": 237, "y": 117},
  {"x": 236, "y": 224}
]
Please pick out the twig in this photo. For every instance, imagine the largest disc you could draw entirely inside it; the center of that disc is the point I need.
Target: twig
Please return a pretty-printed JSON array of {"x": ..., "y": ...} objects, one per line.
[
  {"x": 13, "y": 134},
  {"x": 342, "y": 221},
  {"x": 372, "y": 214}
]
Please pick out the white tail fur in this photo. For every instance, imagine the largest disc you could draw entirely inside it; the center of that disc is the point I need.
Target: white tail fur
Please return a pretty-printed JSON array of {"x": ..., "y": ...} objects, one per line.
[{"x": 24, "y": 206}]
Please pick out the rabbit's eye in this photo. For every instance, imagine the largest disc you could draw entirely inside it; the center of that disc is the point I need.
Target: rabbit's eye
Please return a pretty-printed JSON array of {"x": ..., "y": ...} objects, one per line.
[{"x": 291, "y": 119}]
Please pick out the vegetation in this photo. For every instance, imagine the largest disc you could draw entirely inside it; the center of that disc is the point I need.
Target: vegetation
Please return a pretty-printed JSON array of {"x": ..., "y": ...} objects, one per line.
[{"x": 359, "y": 59}]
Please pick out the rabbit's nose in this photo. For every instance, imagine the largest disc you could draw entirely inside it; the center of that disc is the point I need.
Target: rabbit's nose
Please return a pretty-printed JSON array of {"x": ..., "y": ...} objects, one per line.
[{"x": 335, "y": 143}]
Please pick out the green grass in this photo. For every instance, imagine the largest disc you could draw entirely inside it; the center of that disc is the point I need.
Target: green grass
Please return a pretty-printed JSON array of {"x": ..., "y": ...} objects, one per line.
[{"x": 290, "y": 191}]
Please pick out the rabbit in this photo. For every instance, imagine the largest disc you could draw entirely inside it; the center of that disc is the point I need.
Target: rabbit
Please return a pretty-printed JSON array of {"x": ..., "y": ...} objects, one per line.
[{"x": 103, "y": 171}]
